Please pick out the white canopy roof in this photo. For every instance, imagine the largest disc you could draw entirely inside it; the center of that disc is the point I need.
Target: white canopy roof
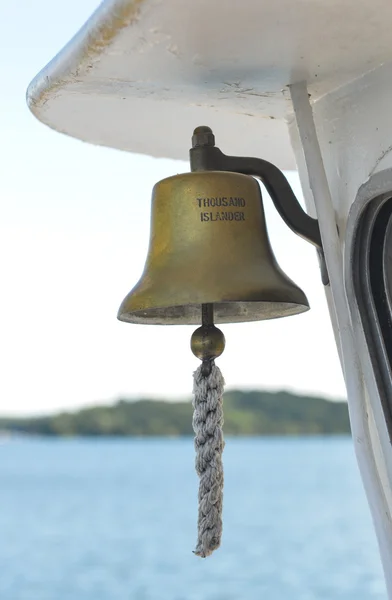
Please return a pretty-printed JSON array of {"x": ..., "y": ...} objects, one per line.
[{"x": 142, "y": 74}]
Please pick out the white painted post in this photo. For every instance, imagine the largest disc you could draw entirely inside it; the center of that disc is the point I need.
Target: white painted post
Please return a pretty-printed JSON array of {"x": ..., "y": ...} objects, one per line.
[{"x": 350, "y": 360}]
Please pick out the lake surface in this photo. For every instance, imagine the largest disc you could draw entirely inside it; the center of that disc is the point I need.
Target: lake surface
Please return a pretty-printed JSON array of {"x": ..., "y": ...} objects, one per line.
[{"x": 116, "y": 520}]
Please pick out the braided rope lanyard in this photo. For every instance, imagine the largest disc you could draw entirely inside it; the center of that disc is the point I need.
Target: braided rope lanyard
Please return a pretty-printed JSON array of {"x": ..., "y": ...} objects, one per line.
[{"x": 207, "y": 343}]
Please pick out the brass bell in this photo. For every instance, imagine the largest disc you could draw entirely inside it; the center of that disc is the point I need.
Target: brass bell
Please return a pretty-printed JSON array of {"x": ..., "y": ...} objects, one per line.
[
  {"x": 209, "y": 245},
  {"x": 210, "y": 260}
]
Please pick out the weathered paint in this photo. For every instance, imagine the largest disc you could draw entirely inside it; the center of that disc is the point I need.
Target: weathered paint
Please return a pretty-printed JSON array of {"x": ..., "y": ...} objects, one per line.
[{"x": 140, "y": 75}]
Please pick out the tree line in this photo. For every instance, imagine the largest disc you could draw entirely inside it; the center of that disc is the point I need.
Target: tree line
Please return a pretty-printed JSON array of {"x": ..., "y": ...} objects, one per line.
[{"x": 245, "y": 412}]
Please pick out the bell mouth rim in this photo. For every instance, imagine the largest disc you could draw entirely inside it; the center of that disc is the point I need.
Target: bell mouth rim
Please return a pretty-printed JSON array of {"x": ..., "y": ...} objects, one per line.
[{"x": 224, "y": 312}]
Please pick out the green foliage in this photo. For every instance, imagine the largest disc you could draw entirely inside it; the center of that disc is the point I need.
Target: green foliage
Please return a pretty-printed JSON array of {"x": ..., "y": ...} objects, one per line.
[{"x": 246, "y": 413}]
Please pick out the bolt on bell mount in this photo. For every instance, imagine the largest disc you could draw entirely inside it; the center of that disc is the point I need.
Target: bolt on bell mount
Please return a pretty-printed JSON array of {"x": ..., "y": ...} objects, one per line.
[{"x": 210, "y": 261}]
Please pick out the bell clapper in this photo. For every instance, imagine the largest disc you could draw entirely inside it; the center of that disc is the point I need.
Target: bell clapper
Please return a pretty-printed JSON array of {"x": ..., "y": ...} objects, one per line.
[{"x": 207, "y": 342}]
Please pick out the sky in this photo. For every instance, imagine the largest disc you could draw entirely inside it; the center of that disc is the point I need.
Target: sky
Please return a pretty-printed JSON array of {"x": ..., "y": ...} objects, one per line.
[{"x": 74, "y": 229}]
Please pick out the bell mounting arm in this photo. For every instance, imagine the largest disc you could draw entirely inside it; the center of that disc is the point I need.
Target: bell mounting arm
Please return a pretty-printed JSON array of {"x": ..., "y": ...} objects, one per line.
[{"x": 205, "y": 156}]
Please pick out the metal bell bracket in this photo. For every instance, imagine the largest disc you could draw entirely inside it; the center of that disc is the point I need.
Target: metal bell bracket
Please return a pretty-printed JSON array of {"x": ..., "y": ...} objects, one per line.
[
  {"x": 208, "y": 341},
  {"x": 205, "y": 156}
]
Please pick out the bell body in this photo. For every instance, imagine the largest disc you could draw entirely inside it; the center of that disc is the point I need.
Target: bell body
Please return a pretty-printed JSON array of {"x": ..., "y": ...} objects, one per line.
[{"x": 209, "y": 244}]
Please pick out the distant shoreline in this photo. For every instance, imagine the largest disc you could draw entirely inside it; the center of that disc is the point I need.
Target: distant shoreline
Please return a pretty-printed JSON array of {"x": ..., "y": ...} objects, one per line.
[
  {"x": 4, "y": 436},
  {"x": 247, "y": 414}
]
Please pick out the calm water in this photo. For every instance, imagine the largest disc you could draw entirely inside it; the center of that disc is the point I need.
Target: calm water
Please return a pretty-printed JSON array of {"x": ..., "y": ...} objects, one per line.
[{"x": 115, "y": 520}]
